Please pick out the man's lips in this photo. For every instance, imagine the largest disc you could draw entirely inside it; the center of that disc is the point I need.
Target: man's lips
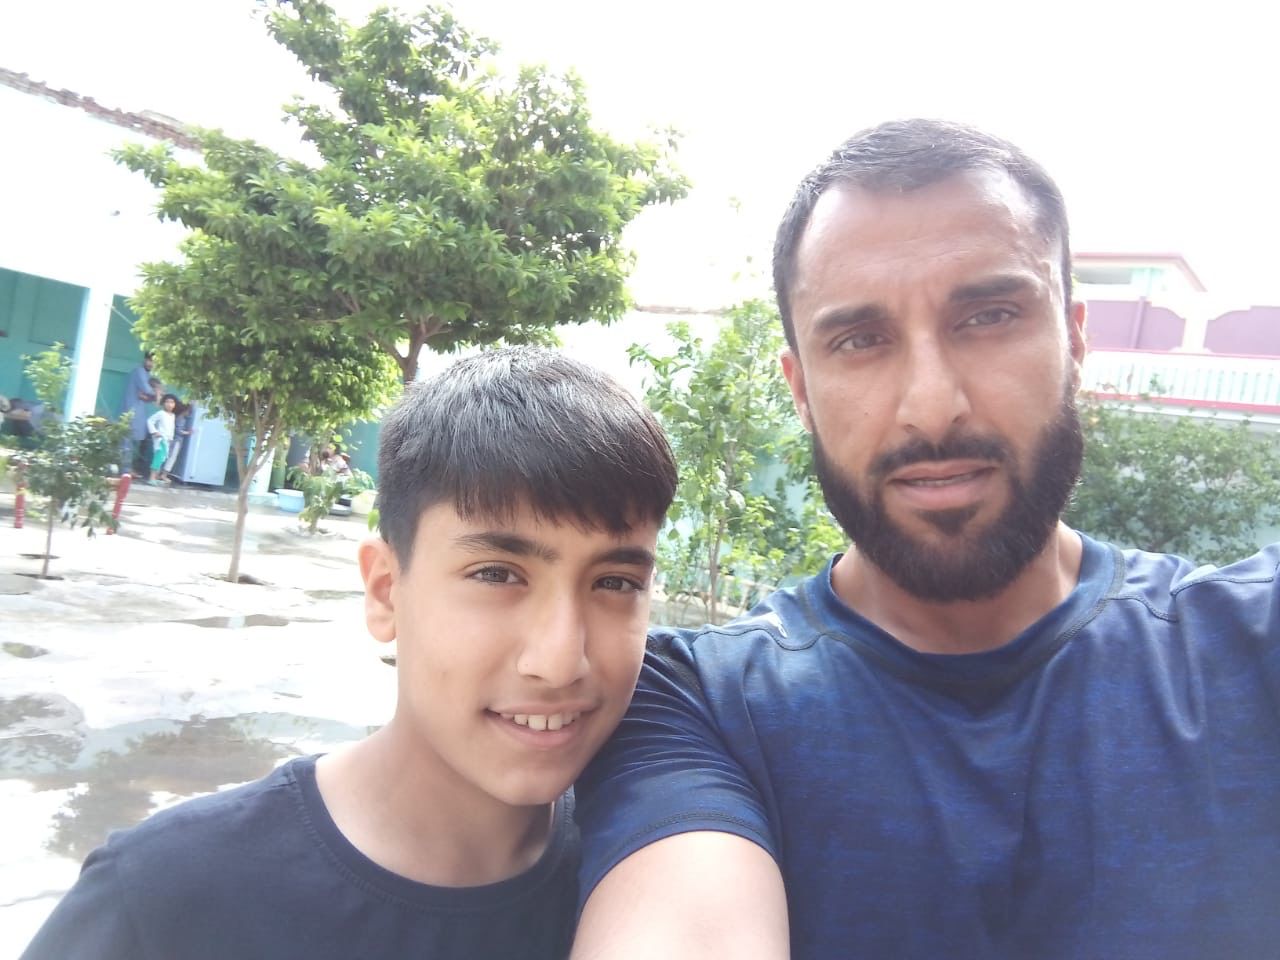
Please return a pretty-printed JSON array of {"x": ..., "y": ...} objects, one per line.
[
  {"x": 935, "y": 474},
  {"x": 951, "y": 485}
]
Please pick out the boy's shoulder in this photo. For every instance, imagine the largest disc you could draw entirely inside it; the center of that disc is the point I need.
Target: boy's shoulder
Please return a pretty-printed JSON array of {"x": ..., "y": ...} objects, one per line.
[
  {"x": 151, "y": 886},
  {"x": 261, "y": 870},
  {"x": 234, "y": 818}
]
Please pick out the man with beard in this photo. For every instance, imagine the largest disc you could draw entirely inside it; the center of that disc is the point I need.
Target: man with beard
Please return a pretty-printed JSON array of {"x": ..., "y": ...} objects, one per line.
[{"x": 978, "y": 733}]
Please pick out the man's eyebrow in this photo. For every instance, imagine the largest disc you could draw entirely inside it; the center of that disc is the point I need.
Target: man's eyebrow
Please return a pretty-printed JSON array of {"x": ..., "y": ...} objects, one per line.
[
  {"x": 1001, "y": 286},
  {"x": 843, "y": 318},
  {"x": 506, "y": 543}
]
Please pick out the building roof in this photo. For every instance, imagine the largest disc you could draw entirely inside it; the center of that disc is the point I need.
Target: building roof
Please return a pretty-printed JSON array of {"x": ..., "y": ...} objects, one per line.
[
  {"x": 152, "y": 124},
  {"x": 1175, "y": 260}
]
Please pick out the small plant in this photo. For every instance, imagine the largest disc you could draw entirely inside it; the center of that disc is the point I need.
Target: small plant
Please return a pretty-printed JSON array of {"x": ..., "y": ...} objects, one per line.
[
  {"x": 70, "y": 469},
  {"x": 322, "y": 489},
  {"x": 50, "y": 374},
  {"x": 72, "y": 458}
]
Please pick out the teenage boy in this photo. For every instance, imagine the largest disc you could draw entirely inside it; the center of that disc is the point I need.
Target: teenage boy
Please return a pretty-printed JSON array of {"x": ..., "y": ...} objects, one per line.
[{"x": 520, "y": 498}]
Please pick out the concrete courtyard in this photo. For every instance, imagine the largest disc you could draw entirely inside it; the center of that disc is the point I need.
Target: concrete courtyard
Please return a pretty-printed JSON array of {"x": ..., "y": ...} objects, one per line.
[{"x": 140, "y": 678}]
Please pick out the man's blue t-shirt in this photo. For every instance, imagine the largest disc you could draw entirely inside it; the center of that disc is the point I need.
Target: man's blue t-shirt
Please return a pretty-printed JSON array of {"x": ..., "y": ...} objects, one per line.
[
  {"x": 262, "y": 871},
  {"x": 1105, "y": 785}
]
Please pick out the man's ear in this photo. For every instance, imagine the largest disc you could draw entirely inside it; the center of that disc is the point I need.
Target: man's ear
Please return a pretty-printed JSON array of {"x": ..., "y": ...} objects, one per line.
[
  {"x": 794, "y": 373},
  {"x": 1076, "y": 320},
  {"x": 379, "y": 569}
]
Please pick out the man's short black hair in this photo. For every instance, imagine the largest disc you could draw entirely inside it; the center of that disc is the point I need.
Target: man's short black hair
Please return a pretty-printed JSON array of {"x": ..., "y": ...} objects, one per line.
[
  {"x": 905, "y": 155},
  {"x": 521, "y": 427}
]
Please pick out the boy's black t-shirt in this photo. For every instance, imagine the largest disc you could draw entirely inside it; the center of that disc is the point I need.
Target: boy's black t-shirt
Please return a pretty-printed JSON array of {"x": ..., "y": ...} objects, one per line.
[{"x": 262, "y": 871}]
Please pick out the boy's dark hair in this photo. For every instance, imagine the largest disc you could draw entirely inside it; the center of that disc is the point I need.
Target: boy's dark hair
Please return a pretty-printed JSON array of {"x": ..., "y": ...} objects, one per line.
[
  {"x": 517, "y": 427},
  {"x": 905, "y": 155},
  {"x": 174, "y": 397}
]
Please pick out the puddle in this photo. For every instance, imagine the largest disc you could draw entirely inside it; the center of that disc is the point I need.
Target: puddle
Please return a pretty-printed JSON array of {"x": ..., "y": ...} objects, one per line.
[
  {"x": 333, "y": 594},
  {"x": 24, "y": 650},
  {"x": 38, "y": 556},
  {"x": 117, "y": 771},
  {"x": 238, "y": 621}
]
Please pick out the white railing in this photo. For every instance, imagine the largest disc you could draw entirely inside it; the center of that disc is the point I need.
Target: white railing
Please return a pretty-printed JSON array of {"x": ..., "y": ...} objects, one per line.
[{"x": 1205, "y": 377}]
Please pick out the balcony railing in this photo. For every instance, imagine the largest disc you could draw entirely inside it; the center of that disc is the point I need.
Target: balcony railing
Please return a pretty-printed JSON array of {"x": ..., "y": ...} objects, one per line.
[{"x": 1211, "y": 380}]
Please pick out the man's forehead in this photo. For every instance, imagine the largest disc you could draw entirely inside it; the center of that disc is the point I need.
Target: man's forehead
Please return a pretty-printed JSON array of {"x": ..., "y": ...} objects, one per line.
[
  {"x": 978, "y": 213},
  {"x": 984, "y": 191}
]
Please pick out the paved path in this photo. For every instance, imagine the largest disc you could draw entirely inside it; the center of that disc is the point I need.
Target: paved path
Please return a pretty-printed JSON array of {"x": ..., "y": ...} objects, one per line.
[{"x": 141, "y": 678}]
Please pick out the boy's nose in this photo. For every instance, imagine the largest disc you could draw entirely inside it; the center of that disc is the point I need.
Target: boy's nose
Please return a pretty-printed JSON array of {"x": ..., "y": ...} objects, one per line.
[{"x": 555, "y": 646}]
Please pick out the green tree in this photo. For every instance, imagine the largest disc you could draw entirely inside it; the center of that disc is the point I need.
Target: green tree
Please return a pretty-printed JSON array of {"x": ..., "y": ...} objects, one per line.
[
  {"x": 1195, "y": 486},
  {"x": 50, "y": 374},
  {"x": 70, "y": 463},
  {"x": 729, "y": 415},
  {"x": 248, "y": 351},
  {"x": 446, "y": 208}
]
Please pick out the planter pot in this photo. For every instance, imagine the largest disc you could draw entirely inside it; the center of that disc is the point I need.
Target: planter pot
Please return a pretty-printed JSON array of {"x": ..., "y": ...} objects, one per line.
[
  {"x": 363, "y": 502},
  {"x": 289, "y": 501}
]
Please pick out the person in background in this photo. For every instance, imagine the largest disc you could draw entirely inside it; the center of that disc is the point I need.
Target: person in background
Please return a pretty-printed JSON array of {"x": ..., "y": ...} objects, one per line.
[
  {"x": 160, "y": 426},
  {"x": 182, "y": 415},
  {"x": 140, "y": 393}
]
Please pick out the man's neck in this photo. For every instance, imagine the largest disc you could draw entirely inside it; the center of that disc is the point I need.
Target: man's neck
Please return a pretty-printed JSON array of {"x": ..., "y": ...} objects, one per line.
[
  {"x": 964, "y": 626},
  {"x": 396, "y": 805}
]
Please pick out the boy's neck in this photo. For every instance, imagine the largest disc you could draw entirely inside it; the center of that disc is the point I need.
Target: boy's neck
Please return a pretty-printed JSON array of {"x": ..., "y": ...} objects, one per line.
[{"x": 398, "y": 808}]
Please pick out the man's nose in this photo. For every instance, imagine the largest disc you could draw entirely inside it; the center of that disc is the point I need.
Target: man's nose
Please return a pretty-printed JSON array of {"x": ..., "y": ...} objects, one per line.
[
  {"x": 555, "y": 644},
  {"x": 933, "y": 395}
]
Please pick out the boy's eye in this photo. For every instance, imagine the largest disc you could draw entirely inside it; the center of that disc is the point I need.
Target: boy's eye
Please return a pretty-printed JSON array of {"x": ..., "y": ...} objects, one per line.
[
  {"x": 495, "y": 574},
  {"x": 621, "y": 584}
]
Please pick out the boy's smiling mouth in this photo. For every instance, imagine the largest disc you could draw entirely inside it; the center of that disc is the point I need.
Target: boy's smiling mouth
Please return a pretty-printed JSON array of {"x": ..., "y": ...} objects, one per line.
[{"x": 542, "y": 721}]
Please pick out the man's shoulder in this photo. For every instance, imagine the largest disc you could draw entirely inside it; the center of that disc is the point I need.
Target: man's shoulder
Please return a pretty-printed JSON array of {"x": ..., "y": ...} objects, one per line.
[
  {"x": 1170, "y": 589},
  {"x": 792, "y": 618}
]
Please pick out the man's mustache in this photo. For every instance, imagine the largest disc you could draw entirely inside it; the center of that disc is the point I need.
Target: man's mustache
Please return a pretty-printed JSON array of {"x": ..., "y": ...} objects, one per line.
[{"x": 949, "y": 448}]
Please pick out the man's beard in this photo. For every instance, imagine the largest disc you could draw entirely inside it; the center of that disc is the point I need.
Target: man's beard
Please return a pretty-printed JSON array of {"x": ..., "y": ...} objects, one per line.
[{"x": 962, "y": 566}]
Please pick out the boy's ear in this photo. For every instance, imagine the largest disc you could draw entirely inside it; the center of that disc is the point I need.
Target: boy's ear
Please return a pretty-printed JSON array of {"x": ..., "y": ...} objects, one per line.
[{"x": 379, "y": 569}]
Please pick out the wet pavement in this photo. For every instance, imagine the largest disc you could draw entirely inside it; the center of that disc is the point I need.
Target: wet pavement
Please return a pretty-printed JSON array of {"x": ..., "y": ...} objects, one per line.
[{"x": 141, "y": 678}]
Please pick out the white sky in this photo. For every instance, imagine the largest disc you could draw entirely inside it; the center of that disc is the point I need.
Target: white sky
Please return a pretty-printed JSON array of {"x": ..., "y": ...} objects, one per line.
[{"x": 1159, "y": 120}]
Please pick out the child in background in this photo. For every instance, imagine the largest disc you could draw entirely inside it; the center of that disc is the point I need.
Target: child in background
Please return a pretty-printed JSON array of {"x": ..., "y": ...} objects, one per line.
[
  {"x": 182, "y": 414},
  {"x": 160, "y": 427}
]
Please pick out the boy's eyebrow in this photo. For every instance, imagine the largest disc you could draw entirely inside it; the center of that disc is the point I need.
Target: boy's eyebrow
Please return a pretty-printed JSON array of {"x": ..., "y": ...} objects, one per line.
[
  {"x": 525, "y": 547},
  {"x": 506, "y": 543},
  {"x": 630, "y": 556}
]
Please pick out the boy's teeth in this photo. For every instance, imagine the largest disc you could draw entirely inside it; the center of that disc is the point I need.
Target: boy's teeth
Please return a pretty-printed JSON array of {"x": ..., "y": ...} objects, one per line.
[{"x": 541, "y": 721}]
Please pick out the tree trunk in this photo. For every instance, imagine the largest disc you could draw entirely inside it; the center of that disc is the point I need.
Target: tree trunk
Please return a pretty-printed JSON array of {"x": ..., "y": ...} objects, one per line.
[
  {"x": 48, "y": 539},
  {"x": 408, "y": 368},
  {"x": 238, "y": 539},
  {"x": 244, "y": 474}
]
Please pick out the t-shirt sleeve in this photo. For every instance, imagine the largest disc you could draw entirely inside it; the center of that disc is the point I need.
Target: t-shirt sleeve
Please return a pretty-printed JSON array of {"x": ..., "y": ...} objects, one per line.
[
  {"x": 668, "y": 769},
  {"x": 92, "y": 921}
]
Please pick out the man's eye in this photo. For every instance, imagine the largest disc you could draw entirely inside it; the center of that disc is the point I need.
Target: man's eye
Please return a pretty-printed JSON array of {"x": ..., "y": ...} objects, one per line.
[
  {"x": 495, "y": 575},
  {"x": 989, "y": 318},
  {"x": 860, "y": 341},
  {"x": 621, "y": 584}
]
